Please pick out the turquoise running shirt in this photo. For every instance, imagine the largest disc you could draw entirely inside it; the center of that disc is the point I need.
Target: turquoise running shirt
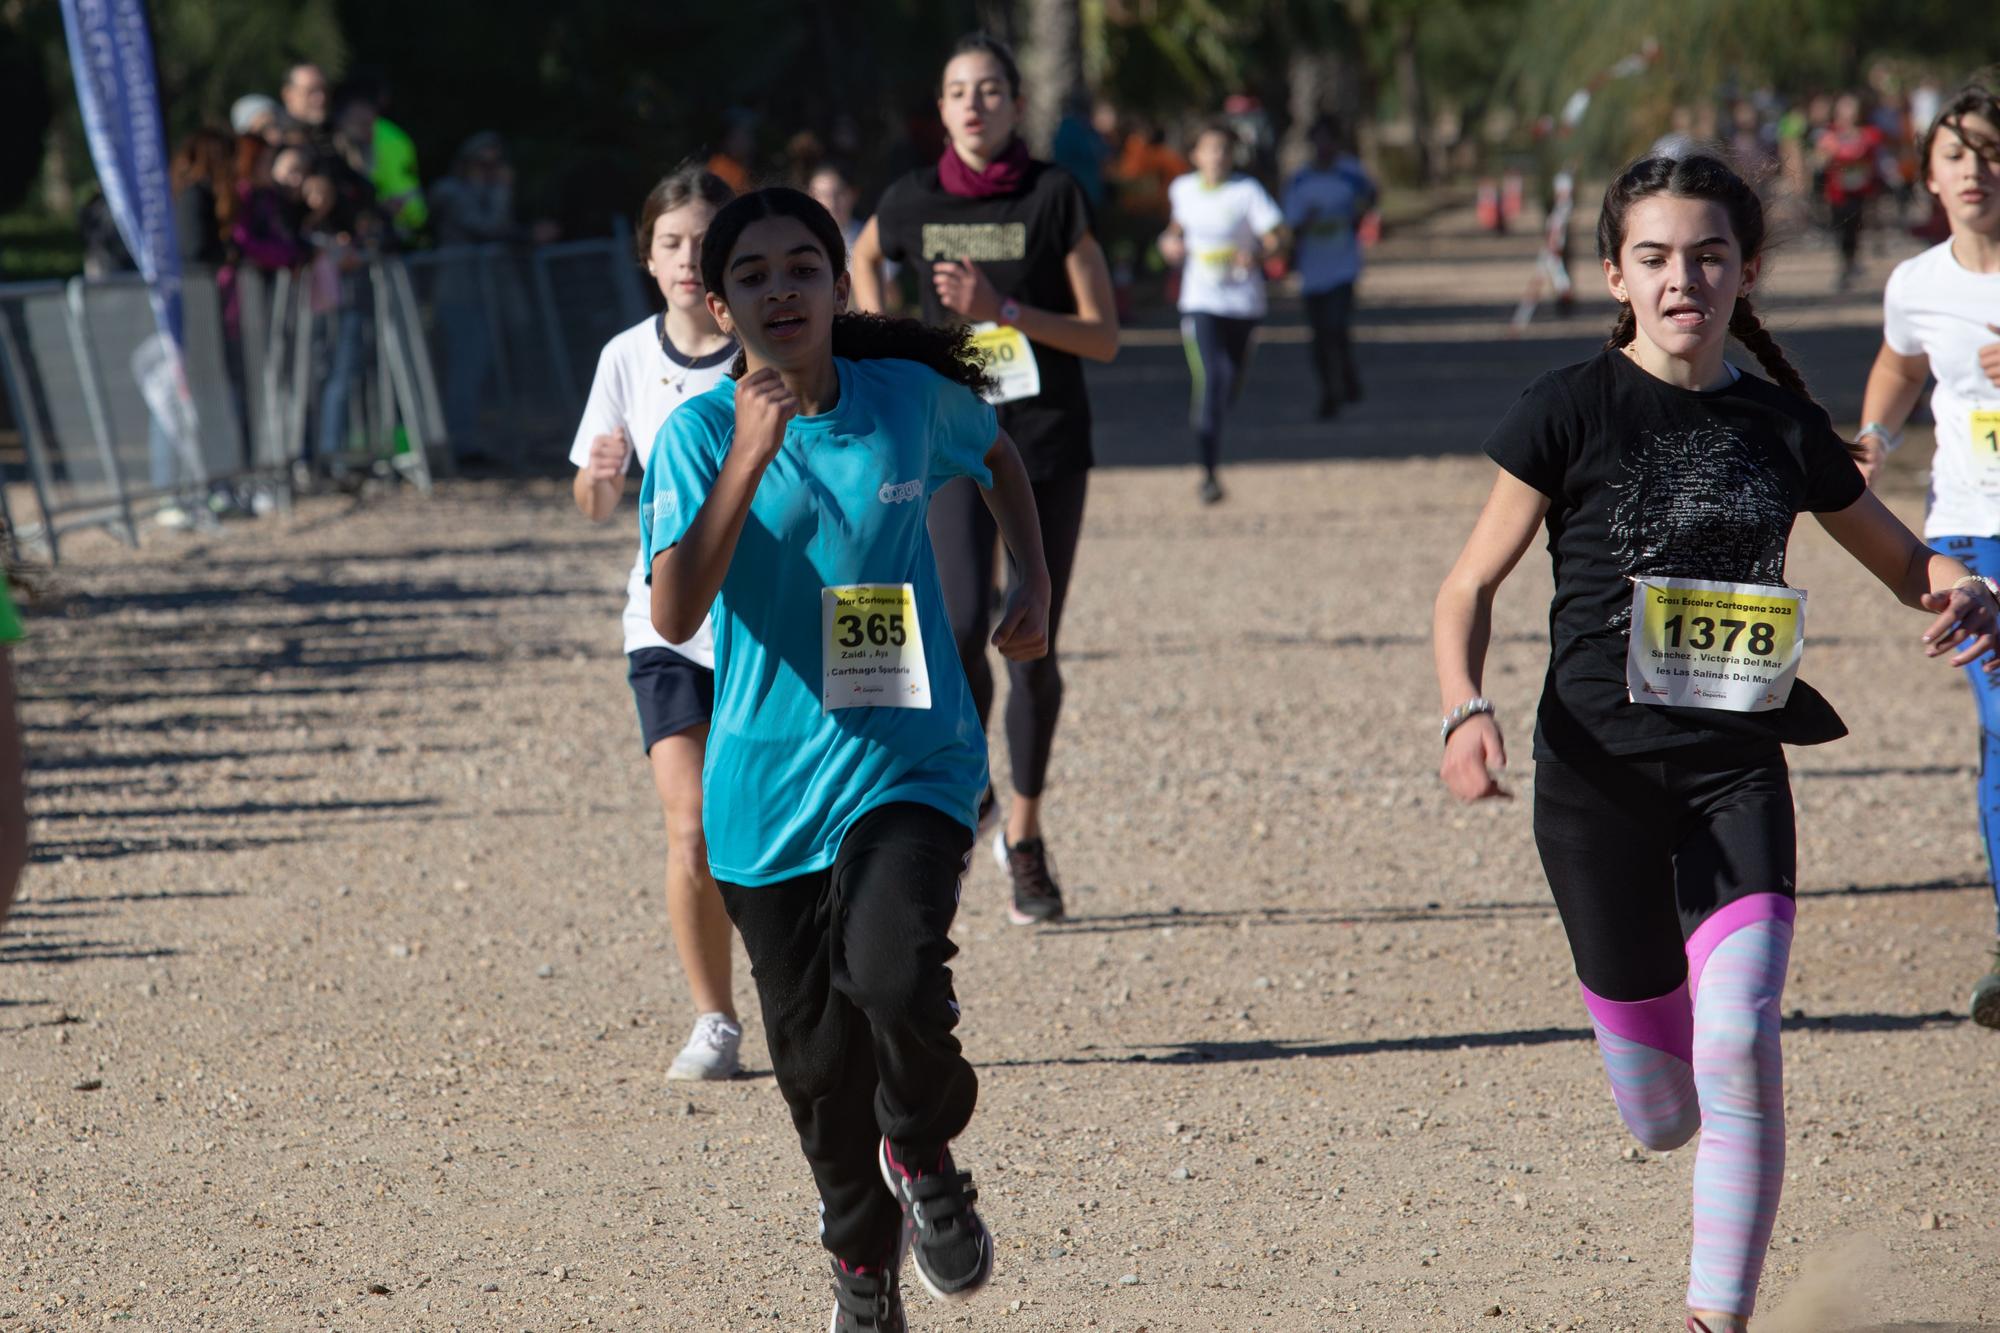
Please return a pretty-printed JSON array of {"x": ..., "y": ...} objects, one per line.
[{"x": 843, "y": 503}]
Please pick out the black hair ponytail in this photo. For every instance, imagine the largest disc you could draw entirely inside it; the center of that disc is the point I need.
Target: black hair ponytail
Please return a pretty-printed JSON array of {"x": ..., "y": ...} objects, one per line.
[{"x": 857, "y": 337}]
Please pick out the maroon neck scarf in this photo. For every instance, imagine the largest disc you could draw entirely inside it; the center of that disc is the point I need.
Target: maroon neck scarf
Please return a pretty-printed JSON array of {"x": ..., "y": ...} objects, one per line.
[{"x": 1003, "y": 175}]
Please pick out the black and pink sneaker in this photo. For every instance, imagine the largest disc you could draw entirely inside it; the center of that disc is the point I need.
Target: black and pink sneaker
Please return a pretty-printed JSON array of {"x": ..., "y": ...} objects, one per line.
[
  {"x": 953, "y": 1248},
  {"x": 868, "y": 1300}
]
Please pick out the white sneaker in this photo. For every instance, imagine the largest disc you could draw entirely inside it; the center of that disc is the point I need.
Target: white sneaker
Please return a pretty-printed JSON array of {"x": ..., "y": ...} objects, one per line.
[{"x": 710, "y": 1053}]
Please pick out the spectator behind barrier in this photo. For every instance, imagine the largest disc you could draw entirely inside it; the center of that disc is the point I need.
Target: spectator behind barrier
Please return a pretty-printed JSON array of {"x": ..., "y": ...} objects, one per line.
[
  {"x": 254, "y": 113},
  {"x": 392, "y": 156},
  {"x": 307, "y": 101},
  {"x": 203, "y": 174},
  {"x": 268, "y": 211},
  {"x": 473, "y": 205}
]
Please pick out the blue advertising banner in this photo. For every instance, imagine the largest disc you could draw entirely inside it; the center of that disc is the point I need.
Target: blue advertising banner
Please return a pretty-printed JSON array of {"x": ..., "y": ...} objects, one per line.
[{"x": 111, "y": 53}]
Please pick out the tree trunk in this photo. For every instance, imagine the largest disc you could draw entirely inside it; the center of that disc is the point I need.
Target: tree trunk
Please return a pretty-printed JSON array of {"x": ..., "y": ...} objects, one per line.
[
  {"x": 1410, "y": 87},
  {"x": 1052, "y": 68}
]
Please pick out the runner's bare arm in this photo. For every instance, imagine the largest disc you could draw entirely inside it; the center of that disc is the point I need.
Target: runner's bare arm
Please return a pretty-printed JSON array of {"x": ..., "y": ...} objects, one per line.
[
  {"x": 1920, "y": 578},
  {"x": 864, "y": 269},
  {"x": 1023, "y": 632},
  {"x": 965, "y": 290},
  {"x": 1092, "y": 332},
  {"x": 1462, "y": 626},
  {"x": 1894, "y": 384},
  {"x": 688, "y": 574},
  {"x": 600, "y": 483}
]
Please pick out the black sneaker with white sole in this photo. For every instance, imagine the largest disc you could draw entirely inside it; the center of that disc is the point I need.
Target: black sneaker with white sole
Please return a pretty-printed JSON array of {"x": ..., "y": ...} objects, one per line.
[
  {"x": 868, "y": 1300},
  {"x": 1037, "y": 897},
  {"x": 953, "y": 1248}
]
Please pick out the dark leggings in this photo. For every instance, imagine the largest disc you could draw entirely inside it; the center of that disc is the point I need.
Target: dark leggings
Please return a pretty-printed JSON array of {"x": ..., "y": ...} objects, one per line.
[
  {"x": 1331, "y": 314},
  {"x": 1847, "y": 217},
  {"x": 963, "y": 534},
  {"x": 851, "y": 971},
  {"x": 1218, "y": 353},
  {"x": 1641, "y": 850}
]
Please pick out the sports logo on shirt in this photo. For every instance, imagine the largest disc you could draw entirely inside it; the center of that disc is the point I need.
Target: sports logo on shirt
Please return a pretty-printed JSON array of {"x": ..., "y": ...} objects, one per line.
[
  {"x": 898, "y": 492},
  {"x": 981, "y": 242}
]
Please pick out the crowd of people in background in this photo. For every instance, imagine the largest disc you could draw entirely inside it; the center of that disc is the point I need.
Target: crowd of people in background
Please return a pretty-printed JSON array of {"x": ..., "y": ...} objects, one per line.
[
  {"x": 1848, "y": 157},
  {"x": 319, "y": 180}
]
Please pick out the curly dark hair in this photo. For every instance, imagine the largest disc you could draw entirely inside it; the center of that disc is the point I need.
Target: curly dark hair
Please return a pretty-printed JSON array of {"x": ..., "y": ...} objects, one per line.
[
  {"x": 1697, "y": 176},
  {"x": 857, "y": 337}
]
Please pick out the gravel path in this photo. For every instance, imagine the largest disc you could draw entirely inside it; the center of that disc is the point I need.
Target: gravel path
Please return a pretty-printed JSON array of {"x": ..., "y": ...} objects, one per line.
[{"x": 340, "y": 993}]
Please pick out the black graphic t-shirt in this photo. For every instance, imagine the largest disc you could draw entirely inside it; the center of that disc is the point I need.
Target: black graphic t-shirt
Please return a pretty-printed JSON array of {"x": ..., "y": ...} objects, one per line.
[
  {"x": 1648, "y": 479},
  {"x": 1021, "y": 242}
]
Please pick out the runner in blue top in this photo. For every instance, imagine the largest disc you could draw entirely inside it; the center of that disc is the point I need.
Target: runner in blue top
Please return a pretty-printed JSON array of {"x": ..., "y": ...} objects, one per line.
[
  {"x": 845, "y": 758},
  {"x": 1324, "y": 204}
]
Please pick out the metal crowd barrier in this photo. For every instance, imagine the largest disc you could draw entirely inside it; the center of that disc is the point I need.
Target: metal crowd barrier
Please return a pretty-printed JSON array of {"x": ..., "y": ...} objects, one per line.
[{"x": 438, "y": 355}]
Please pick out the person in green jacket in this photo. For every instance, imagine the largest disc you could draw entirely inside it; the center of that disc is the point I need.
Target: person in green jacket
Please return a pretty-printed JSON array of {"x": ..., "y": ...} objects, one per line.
[{"x": 392, "y": 154}]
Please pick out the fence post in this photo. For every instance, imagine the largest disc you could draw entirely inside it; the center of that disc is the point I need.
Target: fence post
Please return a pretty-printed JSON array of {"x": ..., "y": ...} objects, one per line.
[
  {"x": 14, "y": 372},
  {"x": 93, "y": 402},
  {"x": 404, "y": 294},
  {"x": 401, "y": 392}
]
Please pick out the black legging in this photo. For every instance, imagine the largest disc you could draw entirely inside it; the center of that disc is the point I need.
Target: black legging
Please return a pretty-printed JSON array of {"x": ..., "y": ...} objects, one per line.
[
  {"x": 1331, "y": 315},
  {"x": 1218, "y": 351},
  {"x": 962, "y": 534}
]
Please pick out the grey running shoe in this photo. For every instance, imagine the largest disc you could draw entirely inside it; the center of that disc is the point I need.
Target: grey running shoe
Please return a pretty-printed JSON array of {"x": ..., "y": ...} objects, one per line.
[
  {"x": 711, "y": 1051},
  {"x": 1211, "y": 490},
  {"x": 953, "y": 1248},
  {"x": 1037, "y": 897},
  {"x": 868, "y": 1300},
  {"x": 1986, "y": 996}
]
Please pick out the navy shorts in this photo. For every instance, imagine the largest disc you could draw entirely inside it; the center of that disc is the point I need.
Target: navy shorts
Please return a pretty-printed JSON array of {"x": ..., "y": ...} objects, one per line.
[{"x": 673, "y": 693}]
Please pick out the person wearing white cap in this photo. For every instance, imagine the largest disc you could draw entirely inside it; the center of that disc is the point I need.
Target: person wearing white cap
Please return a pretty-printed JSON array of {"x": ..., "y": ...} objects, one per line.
[{"x": 254, "y": 113}]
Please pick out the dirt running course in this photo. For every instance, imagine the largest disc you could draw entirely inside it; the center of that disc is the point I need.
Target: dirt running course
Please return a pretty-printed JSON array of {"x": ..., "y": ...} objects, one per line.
[{"x": 340, "y": 994}]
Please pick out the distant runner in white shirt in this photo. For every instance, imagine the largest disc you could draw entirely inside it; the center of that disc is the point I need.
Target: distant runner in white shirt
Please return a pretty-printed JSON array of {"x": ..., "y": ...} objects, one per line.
[
  {"x": 643, "y": 375},
  {"x": 1224, "y": 226},
  {"x": 1941, "y": 317}
]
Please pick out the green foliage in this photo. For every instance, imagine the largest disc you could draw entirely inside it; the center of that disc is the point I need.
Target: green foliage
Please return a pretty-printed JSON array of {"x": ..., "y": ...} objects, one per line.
[
  {"x": 1712, "y": 46},
  {"x": 212, "y": 52},
  {"x": 26, "y": 108}
]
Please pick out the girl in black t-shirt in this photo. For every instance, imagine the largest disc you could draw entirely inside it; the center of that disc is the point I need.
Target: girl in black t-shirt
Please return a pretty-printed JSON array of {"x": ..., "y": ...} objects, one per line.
[
  {"x": 1668, "y": 483},
  {"x": 1003, "y": 242}
]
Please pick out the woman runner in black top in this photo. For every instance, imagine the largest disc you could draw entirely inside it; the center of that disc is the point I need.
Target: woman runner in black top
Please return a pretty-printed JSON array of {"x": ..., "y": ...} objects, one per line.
[
  {"x": 1668, "y": 482},
  {"x": 1002, "y": 241}
]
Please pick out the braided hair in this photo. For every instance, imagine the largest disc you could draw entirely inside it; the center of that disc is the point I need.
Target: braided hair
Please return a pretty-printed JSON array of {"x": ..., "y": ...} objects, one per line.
[{"x": 1696, "y": 176}]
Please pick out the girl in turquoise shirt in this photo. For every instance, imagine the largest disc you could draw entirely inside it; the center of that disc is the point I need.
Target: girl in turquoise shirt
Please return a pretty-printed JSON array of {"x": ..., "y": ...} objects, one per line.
[{"x": 845, "y": 759}]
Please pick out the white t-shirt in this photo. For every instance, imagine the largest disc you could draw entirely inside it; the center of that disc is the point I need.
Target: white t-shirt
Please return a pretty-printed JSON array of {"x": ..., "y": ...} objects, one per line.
[
  {"x": 641, "y": 378},
  {"x": 1935, "y": 308},
  {"x": 1217, "y": 223}
]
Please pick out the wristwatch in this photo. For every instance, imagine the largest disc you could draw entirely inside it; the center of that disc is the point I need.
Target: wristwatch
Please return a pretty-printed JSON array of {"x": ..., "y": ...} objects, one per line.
[{"x": 1010, "y": 310}]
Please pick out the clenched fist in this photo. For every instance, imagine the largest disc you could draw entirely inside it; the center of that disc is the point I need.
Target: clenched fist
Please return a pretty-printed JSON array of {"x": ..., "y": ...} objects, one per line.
[
  {"x": 764, "y": 407},
  {"x": 609, "y": 455}
]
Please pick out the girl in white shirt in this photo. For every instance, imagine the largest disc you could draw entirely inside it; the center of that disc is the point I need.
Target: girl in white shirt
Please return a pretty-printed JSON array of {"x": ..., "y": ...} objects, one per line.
[
  {"x": 643, "y": 375},
  {"x": 1941, "y": 317},
  {"x": 1224, "y": 226}
]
